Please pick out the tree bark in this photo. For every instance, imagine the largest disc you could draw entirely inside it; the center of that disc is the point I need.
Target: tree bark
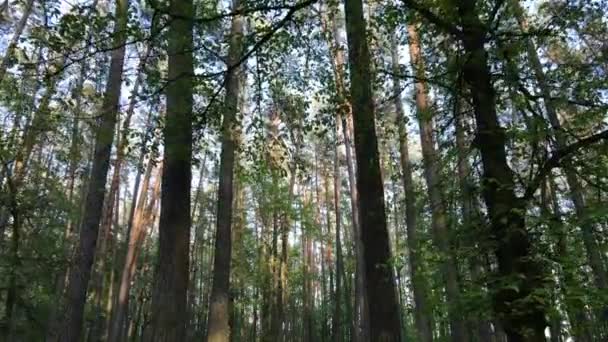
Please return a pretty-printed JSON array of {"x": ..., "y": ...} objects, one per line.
[
  {"x": 522, "y": 315},
  {"x": 169, "y": 302},
  {"x": 360, "y": 323},
  {"x": 380, "y": 285},
  {"x": 219, "y": 311}
]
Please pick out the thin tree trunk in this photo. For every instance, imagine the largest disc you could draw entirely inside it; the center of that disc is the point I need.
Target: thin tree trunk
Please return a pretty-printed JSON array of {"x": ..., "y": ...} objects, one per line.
[
  {"x": 449, "y": 265},
  {"x": 136, "y": 238},
  {"x": 307, "y": 323},
  {"x": 422, "y": 307},
  {"x": 138, "y": 172},
  {"x": 36, "y": 126},
  {"x": 170, "y": 294},
  {"x": 219, "y": 311},
  {"x": 380, "y": 285},
  {"x": 81, "y": 272},
  {"x": 15, "y": 39},
  {"x": 361, "y": 319},
  {"x": 337, "y": 317}
]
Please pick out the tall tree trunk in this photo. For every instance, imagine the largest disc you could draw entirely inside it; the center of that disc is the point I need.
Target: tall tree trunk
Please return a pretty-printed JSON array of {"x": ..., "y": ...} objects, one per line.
[
  {"x": 15, "y": 39},
  {"x": 380, "y": 285},
  {"x": 219, "y": 311},
  {"x": 361, "y": 319},
  {"x": 522, "y": 315},
  {"x": 85, "y": 254},
  {"x": 360, "y": 323},
  {"x": 170, "y": 293},
  {"x": 432, "y": 175},
  {"x": 337, "y": 317},
  {"x": 307, "y": 301},
  {"x": 121, "y": 151},
  {"x": 422, "y": 307}
]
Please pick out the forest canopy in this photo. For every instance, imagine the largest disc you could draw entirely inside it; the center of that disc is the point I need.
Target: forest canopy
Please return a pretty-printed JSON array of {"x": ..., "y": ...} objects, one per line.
[{"x": 304, "y": 170}]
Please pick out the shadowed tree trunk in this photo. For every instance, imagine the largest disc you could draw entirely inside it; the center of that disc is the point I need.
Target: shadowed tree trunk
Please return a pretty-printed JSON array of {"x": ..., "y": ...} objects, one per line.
[
  {"x": 170, "y": 297},
  {"x": 470, "y": 214},
  {"x": 380, "y": 284},
  {"x": 360, "y": 323},
  {"x": 219, "y": 311},
  {"x": 522, "y": 315}
]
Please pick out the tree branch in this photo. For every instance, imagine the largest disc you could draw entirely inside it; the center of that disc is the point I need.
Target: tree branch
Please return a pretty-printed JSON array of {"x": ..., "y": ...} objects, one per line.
[
  {"x": 557, "y": 157},
  {"x": 433, "y": 18}
]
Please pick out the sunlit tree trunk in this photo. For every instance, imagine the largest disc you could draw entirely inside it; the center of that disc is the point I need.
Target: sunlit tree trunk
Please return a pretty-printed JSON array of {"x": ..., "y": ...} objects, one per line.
[{"x": 137, "y": 234}]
